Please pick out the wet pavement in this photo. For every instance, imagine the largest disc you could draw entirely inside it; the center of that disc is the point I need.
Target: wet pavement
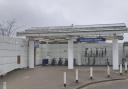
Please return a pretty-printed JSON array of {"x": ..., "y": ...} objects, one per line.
[
  {"x": 120, "y": 84},
  {"x": 49, "y": 77}
]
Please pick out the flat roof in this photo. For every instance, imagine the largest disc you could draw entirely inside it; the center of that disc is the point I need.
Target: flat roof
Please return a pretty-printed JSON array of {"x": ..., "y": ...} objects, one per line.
[{"x": 76, "y": 30}]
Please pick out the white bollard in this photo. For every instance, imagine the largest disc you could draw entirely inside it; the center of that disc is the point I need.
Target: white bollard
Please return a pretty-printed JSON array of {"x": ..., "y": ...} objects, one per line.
[
  {"x": 126, "y": 68},
  {"x": 120, "y": 69},
  {"x": 64, "y": 79},
  {"x": 4, "y": 85},
  {"x": 108, "y": 71},
  {"x": 91, "y": 72},
  {"x": 77, "y": 76}
]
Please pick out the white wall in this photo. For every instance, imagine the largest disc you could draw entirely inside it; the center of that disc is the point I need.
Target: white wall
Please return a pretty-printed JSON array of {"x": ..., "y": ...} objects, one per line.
[
  {"x": 54, "y": 51},
  {"x": 10, "y": 48},
  {"x": 60, "y": 50}
]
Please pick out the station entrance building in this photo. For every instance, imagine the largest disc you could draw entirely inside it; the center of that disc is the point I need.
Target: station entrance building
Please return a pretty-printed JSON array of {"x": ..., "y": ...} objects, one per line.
[{"x": 79, "y": 44}]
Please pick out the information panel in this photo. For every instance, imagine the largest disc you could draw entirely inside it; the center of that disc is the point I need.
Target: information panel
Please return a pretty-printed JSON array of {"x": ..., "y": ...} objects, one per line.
[{"x": 90, "y": 40}]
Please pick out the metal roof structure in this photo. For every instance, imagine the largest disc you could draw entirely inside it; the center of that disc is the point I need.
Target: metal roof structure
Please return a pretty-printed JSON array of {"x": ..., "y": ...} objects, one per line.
[{"x": 63, "y": 32}]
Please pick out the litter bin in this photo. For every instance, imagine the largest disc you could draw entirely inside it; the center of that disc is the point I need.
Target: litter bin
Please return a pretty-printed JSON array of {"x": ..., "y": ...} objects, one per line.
[{"x": 44, "y": 62}]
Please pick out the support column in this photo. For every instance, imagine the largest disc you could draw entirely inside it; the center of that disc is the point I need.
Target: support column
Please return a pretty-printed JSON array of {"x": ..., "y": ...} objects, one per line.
[
  {"x": 79, "y": 53},
  {"x": 31, "y": 54},
  {"x": 115, "y": 54},
  {"x": 70, "y": 54}
]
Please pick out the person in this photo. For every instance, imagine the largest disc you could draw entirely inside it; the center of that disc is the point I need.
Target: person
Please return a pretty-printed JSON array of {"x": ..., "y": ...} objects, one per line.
[
  {"x": 88, "y": 61},
  {"x": 74, "y": 62},
  {"x": 123, "y": 61},
  {"x": 60, "y": 62},
  {"x": 53, "y": 61},
  {"x": 66, "y": 62},
  {"x": 94, "y": 61},
  {"x": 108, "y": 62}
]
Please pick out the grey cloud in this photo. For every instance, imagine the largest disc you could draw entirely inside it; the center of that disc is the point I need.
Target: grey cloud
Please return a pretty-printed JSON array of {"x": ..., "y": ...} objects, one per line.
[{"x": 64, "y": 12}]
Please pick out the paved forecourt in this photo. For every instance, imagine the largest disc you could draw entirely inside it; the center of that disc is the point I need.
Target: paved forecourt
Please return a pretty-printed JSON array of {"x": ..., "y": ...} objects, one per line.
[{"x": 49, "y": 77}]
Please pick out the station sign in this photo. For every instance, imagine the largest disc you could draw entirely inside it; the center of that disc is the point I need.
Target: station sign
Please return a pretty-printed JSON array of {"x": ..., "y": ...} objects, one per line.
[{"x": 91, "y": 40}]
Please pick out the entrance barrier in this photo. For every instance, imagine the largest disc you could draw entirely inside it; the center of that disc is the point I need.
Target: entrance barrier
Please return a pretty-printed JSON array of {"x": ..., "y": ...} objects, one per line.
[
  {"x": 60, "y": 62},
  {"x": 53, "y": 62},
  {"x": 66, "y": 62}
]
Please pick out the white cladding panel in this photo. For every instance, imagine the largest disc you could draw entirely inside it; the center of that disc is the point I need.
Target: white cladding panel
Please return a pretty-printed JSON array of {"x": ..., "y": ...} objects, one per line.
[
  {"x": 10, "y": 48},
  {"x": 60, "y": 50}
]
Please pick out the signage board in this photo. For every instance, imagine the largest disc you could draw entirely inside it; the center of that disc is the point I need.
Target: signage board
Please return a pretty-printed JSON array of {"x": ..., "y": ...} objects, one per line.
[{"x": 91, "y": 40}]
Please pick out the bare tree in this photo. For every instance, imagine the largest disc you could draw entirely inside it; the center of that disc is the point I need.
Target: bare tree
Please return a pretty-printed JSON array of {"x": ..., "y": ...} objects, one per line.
[
  {"x": 8, "y": 28},
  {"x": 1, "y": 30}
]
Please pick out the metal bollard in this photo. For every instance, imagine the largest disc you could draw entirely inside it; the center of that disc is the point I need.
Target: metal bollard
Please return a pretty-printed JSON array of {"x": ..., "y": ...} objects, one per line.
[
  {"x": 91, "y": 73},
  {"x": 77, "y": 76},
  {"x": 4, "y": 85},
  {"x": 64, "y": 79},
  {"x": 126, "y": 68},
  {"x": 108, "y": 71},
  {"x": 120, "y": 69}
]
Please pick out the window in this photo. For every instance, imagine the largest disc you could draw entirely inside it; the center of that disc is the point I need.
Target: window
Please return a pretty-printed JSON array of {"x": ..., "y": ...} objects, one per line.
[{"x": 18, "y": 59}]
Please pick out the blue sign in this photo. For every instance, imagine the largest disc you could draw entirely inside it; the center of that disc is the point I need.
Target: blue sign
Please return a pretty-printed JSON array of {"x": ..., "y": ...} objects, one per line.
[{"x": 90, "y": 40}]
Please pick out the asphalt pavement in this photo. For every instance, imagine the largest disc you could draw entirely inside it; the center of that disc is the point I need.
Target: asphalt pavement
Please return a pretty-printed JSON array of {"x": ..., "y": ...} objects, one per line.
[
  {"x": 51, "y": 77},
  {"x": 120, "y": 84}
]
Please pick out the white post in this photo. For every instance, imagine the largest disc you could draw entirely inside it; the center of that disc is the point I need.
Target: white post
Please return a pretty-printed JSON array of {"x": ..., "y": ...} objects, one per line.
[
  {"x": 126, "y": 68},
  {"x": 115, "y": 54},
  {"x": 4, "y": 85},
  {"x": 70, "y": 54},
  {"x": 91, "y": 72},
  {"x": 31, "y": 54},
  {"x": 64, "y": 79},
  {"x": 120, "y": 69},
  {"x": 108, "y": 71},
  {"x": 77, "y": 76}
]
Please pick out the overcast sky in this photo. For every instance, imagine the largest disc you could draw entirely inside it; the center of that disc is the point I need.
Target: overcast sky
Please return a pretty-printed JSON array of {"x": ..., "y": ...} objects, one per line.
[
  {"x": 33, "y": 13},
  {"x": 64, "y": 12}
]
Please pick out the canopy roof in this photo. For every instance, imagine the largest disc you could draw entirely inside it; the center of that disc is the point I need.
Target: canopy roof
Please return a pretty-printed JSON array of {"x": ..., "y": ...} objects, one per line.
[{"x": 62, "y": 32}]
